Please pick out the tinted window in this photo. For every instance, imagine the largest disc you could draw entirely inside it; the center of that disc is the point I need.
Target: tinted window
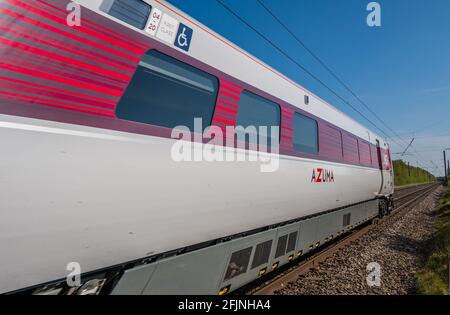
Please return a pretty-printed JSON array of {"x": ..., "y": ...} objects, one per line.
[
  {"x": 374, "y": 154},
  {"x": 364, "y": 153},
  {"x": 133, "y": 12},
  {"x": 256, "y": 111},
  {"x": 166, "y": 92},
  {"x": 305, "y": 134},
  {"x": 351, "y": 152},
  {"x": 262, "y": 253},
  {"x": 291, "y": 242},
  {"x": 281, "y": 246},
  {"x": 238, "y": 263},
  {"x": 331, "y": 142}
]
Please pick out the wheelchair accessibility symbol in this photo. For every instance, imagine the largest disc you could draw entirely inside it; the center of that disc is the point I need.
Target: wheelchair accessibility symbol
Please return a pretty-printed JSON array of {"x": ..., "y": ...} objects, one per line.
[{"x": 184, "y": 37}]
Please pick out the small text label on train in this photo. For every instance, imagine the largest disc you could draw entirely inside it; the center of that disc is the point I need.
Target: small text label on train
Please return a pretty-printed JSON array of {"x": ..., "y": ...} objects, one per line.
[
  {"x": 321, "y": 175},
  {"x": 153, "y": 22},
  {"x": 169, "y": 30}
]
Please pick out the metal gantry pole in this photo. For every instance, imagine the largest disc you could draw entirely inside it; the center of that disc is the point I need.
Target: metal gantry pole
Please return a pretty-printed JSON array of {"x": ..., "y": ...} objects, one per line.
[{"x": 445, "y": 170}]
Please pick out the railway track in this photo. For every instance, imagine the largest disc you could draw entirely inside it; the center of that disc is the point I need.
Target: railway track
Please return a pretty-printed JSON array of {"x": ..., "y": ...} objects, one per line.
[
  {"x": 401, "y": 191},
  {"x": 403, "y": 199}
]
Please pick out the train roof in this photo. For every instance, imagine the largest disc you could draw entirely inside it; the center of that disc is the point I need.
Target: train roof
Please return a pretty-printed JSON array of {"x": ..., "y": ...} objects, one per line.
[{"x": 213, "y": 49}]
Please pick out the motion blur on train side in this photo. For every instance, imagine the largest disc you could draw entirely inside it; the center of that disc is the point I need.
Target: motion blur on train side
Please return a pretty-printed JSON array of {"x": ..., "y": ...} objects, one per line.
[{"x": 87, "y": 178}]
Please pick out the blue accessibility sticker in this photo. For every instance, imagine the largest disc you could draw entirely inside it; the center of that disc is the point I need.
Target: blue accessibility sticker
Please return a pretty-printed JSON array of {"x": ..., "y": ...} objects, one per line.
[{"x": 184, "y": 37}]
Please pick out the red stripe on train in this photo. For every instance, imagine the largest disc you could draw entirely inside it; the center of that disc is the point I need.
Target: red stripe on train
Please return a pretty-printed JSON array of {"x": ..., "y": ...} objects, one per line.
[
  {"x": 225, "y": 121},
  {"x": 53, "y": 42},
  {"x": 59, "y": 70},
  {"x": 60, "y": 79},
  {"x": 225, "y": 93},
  {"x": 61, "y": 96},
  {"x": 48, "y": 102},
  {"x": 81, "y": 29},
  {"x": 66, "y": 34},
  {"x": 61, "y": 58},
  {"x": 232, "y": 111},
  {"x": 90, "y": 97},
  {"x": 104, "y": 30}
]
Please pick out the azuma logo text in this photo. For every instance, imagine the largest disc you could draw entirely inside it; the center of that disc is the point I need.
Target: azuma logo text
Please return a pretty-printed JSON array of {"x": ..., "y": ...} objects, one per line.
[{"x": 321, "y": 175}]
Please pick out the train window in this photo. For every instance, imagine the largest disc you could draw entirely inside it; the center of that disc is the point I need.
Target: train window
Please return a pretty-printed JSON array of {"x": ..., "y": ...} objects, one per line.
[
  {"x": 351, "y": 152},
  {"x": 291, "y": 242},
  {"x": 238, "y": 263},
  {"x": 133, "y": 12},
  {"x": 262, "y": 253},
  {"x": 388, "y": 153},
  {"x": 305, "y": 134},
  {"x": 374, "y": 154},
  {"x": 166, "y": 92},
  {"x": 256, "y": 112},
  {"x": 281, "y": 246},
  {"x": 364, "y": 153},
  {"x": 331, "y": 142}
]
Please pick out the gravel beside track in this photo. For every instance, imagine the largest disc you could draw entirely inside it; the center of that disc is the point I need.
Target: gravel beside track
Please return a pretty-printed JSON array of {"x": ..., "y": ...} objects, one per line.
[{"x": 399, "y": 247}]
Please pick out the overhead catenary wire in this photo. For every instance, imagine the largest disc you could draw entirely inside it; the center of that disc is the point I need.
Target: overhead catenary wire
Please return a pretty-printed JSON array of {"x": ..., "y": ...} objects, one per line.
[
  {"x": 321, "y": 82},
  {"x": 427, "y": 127},
  {"x": 330, "y": 71},
  {"x": 409, "y": 145},
  {"x": 322, "y": 63},
  {"x": 299, "y": 65}
]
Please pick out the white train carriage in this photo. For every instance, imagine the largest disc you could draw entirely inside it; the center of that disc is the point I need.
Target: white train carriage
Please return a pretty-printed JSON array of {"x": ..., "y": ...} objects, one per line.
[{"x": 87, "y": 176}]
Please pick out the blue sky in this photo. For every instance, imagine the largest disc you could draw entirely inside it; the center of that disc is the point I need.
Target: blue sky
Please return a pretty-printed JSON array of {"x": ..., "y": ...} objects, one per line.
[{"x": 401, "y": 69}]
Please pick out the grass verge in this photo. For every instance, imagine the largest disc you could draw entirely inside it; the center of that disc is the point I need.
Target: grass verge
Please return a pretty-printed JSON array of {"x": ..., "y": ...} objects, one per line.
[
  {"x": 404, "y": 175},
  {"x": 433, "y": 278}
]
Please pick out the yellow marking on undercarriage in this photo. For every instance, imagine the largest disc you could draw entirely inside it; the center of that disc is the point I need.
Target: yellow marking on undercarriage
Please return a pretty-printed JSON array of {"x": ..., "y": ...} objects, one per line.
[{"x": 224, "y": 291}]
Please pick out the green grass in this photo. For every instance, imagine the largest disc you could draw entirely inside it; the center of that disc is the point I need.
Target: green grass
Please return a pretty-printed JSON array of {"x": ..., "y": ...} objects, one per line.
[
  {"x": 433, "y": 278},
  {"x": 415, "y": 175}
]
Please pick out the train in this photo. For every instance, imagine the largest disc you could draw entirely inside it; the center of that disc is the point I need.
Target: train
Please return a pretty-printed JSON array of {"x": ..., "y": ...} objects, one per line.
[{"x": 92, "y": 200}]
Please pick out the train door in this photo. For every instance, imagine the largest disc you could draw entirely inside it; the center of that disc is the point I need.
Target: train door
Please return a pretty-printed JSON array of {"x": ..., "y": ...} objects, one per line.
[
  {"x": 380, "y": 165},
  {"x": 391, "y": 168}
]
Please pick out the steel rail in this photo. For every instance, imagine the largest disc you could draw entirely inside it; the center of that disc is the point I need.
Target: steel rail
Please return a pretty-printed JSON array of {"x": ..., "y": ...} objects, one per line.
[{"x": 303, "y": 267}]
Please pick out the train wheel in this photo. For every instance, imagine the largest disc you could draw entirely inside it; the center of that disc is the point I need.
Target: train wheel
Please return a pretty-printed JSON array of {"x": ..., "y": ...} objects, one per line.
[{"x": 384, "y": 208}]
